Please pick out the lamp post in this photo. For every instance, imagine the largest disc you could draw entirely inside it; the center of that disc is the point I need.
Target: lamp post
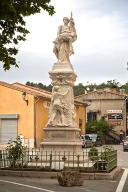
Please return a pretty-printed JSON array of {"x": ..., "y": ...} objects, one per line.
[{"x": 24, "y": 96}]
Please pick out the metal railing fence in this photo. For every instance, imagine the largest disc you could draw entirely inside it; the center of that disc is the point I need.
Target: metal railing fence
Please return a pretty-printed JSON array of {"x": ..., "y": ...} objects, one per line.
[{"x": 57, "y": 160}]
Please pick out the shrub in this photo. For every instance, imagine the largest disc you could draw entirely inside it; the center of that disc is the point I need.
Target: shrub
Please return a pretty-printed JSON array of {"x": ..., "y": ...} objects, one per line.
[
  {"x": 15, "y": 152},
  {"x": 107, "y": 153},
  {"x": 101, "y": 127},
  {"x": 93, "y": 154}
]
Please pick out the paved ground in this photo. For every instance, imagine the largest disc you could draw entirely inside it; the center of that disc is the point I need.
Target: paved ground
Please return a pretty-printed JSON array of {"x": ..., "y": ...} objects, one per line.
[{"x": 121, "y": 156}]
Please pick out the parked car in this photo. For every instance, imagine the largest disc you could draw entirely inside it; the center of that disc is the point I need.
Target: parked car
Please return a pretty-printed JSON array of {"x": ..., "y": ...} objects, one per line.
[
  {"x": 125, "y": 144},
  {"x": 92, "y": 136},
  {"x": 95, "y": 139},
  {"x": 86, "y": 141}
]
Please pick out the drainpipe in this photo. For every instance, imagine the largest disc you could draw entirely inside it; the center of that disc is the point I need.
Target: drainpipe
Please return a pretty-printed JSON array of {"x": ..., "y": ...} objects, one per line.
[
  {"x": 35, "y": 144},
  {"x": 35, "y": 101}
]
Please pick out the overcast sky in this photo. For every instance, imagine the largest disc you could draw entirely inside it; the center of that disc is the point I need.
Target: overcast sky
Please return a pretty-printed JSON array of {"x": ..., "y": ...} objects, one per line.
[{"x": 101, "y": 50}]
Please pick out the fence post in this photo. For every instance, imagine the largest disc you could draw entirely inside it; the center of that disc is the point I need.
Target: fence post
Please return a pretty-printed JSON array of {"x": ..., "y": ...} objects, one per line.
[
  {"x": 0, "y": 158},
  {"x": 50, "y": 160},
  {"x": 78, "y": 160}
]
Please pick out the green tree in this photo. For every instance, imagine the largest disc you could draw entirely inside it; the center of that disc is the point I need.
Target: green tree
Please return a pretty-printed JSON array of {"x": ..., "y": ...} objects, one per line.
[
  {"x": 79, "y": 89},
  {"x": 13, "y": 27},
  {"x": 101, "y": 127},
  {"x": 112, "y": 84},
  {"x": 125, "y": 86},
  {"x": 40, "y": 85}
]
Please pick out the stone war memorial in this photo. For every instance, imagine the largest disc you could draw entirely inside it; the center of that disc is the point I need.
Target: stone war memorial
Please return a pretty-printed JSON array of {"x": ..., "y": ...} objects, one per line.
[{"x": 62, "y": 132}]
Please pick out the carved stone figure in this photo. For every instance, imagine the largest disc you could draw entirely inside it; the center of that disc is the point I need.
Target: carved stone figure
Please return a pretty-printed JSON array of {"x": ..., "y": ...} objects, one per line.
[
  {"x": 65, "y": 37},
  {"x": 61, "y": 111}
]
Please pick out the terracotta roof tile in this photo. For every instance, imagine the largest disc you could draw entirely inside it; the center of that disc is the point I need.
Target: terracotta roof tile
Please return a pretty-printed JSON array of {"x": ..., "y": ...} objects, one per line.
[{"x": 32, "y": 88}]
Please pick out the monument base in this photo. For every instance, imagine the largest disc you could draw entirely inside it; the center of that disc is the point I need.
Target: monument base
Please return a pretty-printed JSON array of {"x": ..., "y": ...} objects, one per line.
[
  {"x": 61, "y": 139},
  {"x": 62, "y": 67}
]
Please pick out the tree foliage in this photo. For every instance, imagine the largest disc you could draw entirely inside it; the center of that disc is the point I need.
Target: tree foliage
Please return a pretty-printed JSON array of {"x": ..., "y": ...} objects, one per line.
[
  {"x": 101, "y": 127},
  {"x": 40, "y": 85},
  {"x": 80, "y": 88},
  {"x": 112, "y": 84},
  {"x": 12, "y": 25}
]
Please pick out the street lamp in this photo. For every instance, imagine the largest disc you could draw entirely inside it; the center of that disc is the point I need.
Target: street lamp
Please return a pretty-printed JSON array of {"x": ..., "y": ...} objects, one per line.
[{"x": 24, "y": 96}]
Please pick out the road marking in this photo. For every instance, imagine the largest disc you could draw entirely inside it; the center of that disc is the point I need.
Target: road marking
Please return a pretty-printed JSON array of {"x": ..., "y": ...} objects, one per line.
[
  {"x": 122, "y": 181},
  {"x": 29, "y": 186}
]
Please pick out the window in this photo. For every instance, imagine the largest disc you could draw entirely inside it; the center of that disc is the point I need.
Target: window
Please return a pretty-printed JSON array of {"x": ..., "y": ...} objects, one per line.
[
  {"x": 8, "y": 127},
  {"x": 8, "y": 130},
  {"x": 91, "y": 116}
]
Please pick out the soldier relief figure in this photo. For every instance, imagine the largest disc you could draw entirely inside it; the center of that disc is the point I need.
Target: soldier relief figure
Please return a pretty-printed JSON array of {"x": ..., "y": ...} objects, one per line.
[
  {"x": 61, "y": 112},
  {"x": 66, "y": 35}
]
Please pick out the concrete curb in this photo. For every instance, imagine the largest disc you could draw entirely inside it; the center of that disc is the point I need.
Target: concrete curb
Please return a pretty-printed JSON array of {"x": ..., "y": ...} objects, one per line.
[
  {"x": 41, "y": 174},
  {"x": 102, "y": 176},
  {"x": 37, "y": 174}
]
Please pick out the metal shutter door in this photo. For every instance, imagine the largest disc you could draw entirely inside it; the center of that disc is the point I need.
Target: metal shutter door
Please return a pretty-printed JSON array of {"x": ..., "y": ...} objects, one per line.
[{"x": 8, "y": 130}]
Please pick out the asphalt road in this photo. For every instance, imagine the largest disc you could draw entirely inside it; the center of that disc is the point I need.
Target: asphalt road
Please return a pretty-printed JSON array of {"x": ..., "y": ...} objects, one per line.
[{"x": 12, "y": 184}]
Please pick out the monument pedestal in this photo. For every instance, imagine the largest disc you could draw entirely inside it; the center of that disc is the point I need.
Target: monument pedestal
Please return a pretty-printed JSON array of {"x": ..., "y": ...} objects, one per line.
[
  {"x": 62, "y": 132},
  {"x": 61, "y": 139}
]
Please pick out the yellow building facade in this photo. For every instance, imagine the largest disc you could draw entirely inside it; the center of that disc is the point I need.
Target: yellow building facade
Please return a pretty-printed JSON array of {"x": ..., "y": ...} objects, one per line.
[{"x": 24, "y": 113}]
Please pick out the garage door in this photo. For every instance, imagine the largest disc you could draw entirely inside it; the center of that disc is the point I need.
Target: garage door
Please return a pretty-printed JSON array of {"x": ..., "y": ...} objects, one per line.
[{"x": 8, "y": 130}]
